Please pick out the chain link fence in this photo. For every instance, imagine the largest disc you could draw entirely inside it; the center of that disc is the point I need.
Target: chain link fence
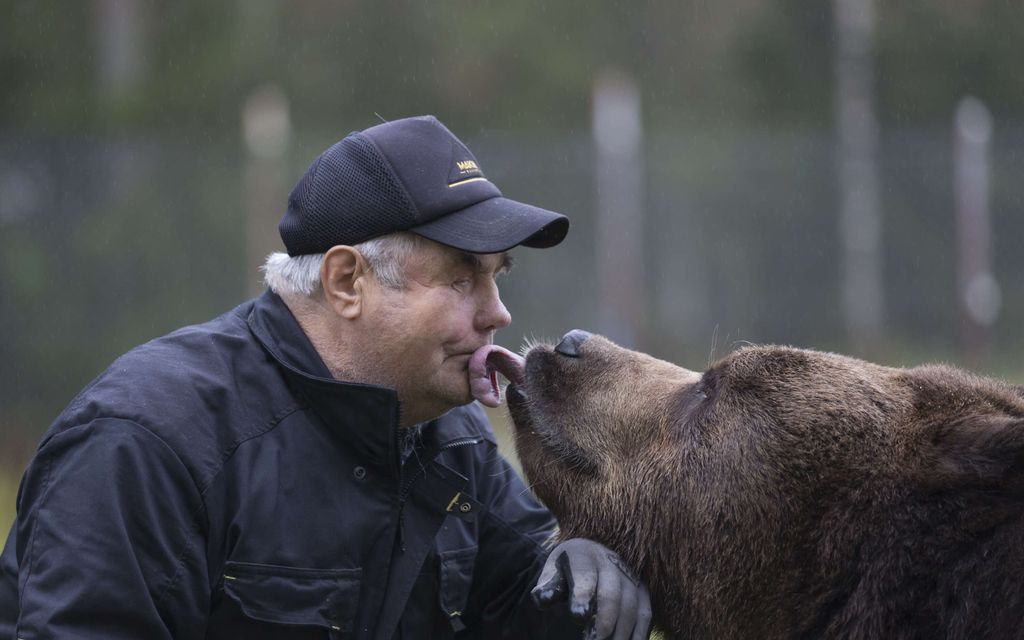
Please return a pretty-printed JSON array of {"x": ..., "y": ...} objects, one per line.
[{"x": 108, "y": 241}]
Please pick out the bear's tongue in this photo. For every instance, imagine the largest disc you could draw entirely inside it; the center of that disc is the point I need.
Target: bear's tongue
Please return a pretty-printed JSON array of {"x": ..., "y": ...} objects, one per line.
[{"x": 484, "y": 366}]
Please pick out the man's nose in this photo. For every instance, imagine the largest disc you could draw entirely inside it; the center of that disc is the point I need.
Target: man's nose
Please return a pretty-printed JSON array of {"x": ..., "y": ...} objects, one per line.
[
  {"x": 502, "y": 318},
  {"x": 493, "y": 315}
]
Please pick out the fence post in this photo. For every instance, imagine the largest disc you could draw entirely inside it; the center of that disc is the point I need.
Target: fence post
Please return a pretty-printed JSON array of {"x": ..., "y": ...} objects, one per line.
[
  {"x": 860, "y": 215},
  {"x": 121, "y": 44},
  {"x": 619, "y": 173},
  {"x": 266, "y": 129},
  {"x": 977, "y": 290}
]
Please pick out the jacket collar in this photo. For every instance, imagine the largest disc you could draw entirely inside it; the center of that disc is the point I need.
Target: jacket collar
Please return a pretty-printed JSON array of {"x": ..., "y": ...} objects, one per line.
[{"x": 364, "y": 415}]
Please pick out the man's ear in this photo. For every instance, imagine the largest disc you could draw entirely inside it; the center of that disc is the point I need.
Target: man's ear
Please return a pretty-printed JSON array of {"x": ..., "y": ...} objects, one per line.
[{"x": 344, "y": 275}]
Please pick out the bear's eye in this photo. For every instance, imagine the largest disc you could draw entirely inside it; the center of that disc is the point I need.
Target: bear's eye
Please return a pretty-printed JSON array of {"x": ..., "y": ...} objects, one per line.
[
  {"x": 708, "y": 383},
  {"x": 701, "y": 390},
  {"x": 693, "y": 397},
  {"x": 690, "y": 407}
]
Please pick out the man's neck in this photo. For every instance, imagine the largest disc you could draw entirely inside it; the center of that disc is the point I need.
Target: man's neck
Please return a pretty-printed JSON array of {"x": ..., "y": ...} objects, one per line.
[
  {"x": 339, "y": 348},
  {"x": 315, "y": 319}
]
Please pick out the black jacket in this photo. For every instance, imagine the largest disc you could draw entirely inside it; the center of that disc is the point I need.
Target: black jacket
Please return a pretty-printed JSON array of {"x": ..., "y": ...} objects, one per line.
[{"x": 217, "y": 483}]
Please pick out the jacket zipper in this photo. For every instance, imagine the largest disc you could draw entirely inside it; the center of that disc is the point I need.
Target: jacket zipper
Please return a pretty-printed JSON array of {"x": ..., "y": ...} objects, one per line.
[{"x": 403, "y": 495}]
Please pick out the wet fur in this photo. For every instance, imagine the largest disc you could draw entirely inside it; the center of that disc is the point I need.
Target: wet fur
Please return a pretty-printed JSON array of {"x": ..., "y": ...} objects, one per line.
[{"x": 788, "y": 493}]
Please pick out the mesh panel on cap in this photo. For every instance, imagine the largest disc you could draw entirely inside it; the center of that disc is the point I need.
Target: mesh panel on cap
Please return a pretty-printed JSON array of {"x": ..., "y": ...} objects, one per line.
[{"x": 348, "y": 196}]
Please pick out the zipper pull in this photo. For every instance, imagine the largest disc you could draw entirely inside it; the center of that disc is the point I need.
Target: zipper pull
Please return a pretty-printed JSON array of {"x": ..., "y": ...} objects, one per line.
[{"x": 455, "y": 618}]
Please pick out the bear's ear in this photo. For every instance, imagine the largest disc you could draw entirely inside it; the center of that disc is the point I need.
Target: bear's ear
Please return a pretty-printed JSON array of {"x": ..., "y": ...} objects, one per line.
[{"x": 984, "y": 451}]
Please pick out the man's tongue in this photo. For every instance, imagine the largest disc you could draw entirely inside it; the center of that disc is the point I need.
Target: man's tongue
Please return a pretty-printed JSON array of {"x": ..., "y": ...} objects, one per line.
[{"x": 484, "y": 366}]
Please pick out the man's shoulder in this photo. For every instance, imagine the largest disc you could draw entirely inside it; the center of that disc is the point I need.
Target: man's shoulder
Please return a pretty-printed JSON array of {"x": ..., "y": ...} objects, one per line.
[
  {"x": 197, "y": 389},
  {"x": 194, "y": 357},
  {"x": 214, "y": 337}
]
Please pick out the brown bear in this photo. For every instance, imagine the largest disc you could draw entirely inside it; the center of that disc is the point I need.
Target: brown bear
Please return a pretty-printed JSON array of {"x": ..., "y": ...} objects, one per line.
[{"x": 785, "y": 493}]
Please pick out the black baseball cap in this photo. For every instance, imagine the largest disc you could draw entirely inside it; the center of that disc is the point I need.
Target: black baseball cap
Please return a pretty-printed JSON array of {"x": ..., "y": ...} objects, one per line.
[{"x": 409, "y": 175}]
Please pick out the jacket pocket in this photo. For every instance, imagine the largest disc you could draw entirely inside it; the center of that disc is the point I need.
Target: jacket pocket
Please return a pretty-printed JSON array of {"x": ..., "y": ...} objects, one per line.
[
  {"x": 456, "y": 576},
  {"x": 324, "y": 598}
]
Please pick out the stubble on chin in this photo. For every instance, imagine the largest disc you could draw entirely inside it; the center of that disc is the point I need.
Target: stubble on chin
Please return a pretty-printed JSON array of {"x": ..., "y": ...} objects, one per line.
[{"x": 439, "y": 395}]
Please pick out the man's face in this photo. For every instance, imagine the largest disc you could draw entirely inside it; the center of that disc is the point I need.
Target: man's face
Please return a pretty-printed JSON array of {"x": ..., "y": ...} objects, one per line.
[{"x": 423, "y": 335}]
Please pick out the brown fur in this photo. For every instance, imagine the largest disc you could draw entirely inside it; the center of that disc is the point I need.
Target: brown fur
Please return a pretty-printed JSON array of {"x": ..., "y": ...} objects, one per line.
[{"x": 788, "y": 493}]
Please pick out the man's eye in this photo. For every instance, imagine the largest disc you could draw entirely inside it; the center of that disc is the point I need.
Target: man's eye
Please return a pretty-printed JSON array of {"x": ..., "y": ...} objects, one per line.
[{"x": 461, "y": 284}]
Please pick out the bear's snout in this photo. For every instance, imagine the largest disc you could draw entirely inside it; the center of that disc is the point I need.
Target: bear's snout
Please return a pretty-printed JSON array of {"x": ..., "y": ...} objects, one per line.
[{"x": 571, "y": 342}]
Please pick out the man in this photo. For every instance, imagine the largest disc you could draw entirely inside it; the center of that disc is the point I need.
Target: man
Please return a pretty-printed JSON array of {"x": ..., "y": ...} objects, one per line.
[{"x": 310, "y": 465}]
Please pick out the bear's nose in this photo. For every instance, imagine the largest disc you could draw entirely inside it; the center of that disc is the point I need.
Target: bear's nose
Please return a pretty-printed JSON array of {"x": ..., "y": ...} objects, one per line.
[{"x": 570, "y": 344}]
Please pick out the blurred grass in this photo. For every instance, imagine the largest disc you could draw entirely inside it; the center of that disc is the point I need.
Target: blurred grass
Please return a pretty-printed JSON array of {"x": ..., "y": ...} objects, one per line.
[
  {"x": 502, "y": 424},
  {"x": 8, "y": 493}
]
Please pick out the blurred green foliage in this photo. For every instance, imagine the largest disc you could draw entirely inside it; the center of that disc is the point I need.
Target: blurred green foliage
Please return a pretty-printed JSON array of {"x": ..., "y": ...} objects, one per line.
[
  {"x": 8, "y": 492},
  {"x": 137, "y": 213},
  {"x": 508, "y": 65}
]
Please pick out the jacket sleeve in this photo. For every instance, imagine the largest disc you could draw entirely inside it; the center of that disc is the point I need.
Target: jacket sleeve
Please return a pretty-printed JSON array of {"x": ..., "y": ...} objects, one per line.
[
  {"x": 108, "y": 538},
  {"x": 511, "y": 555}
]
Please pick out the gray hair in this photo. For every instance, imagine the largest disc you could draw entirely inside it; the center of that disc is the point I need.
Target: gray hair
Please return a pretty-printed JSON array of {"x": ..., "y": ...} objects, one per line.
[{"x": 300, "y": 275}]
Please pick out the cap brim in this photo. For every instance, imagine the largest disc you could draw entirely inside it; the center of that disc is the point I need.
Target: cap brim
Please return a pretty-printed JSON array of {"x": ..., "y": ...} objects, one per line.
[{"x": 496, "y": 225}]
